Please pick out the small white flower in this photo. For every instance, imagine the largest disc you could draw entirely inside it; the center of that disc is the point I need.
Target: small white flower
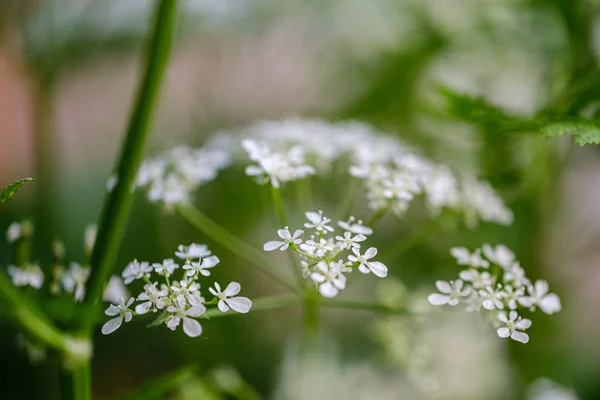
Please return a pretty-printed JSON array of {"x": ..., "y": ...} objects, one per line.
[
  {"x": 74, "y": 280},
  {"x": 192, "y": 251},
  {"x": 318, "y": 221},
  {"x": 479, "y": 280},
  {"x": 27, "y": 275},
  {"x": 287, "y": 237},
  {"x": 354, "y": 226},
  {"x": 366, "y": 266},
  {"x": 115, "y": 290},
  {"x": 153, "y": 298},
  {"x": 464, "y": 257},
  {"x": 500, "y": 255},
  {"x": 14, "y": 232},
  {"x": 329, "y": 277},
  {"x": 349, "y": 241},
  {"x": 227, "y": 299},
  {"x": 136, "y": 270},
  {"x": 166, "y": 268},
  {"x": 191, "y": 327},
  {"x": 202, "y": 267},
  {"x": 513, "y": 327},
  {"x": 492, "y": 298},
  {"x": 516, "y": 296},
  {"x": 515, "y": 274},
  {"x": 317, "y": 249},
  {"x": 549, "y": 303},
  {"x": 121, "y": 312},
  {"x": 450, "y": 293},
  {"x": 188, "y": 290}
]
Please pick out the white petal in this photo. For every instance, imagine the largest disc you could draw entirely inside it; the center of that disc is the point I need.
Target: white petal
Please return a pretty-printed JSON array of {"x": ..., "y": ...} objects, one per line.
[
  {"x": 443, "y": 286},
  {"x": 362, "y": 268},
  {"x": 379, "y": 269},
  {"x": 541, "y": 288},
  {"x": 272, "y": 245},
  {"x": 283, "y": 233},
  {"x": 232, "y": 289},
  {"x": 240, "y": 304},
  {"x": 317, "y": 278},
  {"x": 550, "y": 304},
  {"x": 143, "y": 308},
  {"x": 210, "y": 262},
  {"x": 502, "y": 317},
  {"x": 503, "y": 332},
  {"x": 328, "y": 290},
  {"x": 196, "y": 310},
  {"x": 370, "y": 253},
  {"x": 438, "y": 299},
  {"x": 191, "y": 327},
  {"x": 488, "y": 304},
  {"x": 112, "y": 311},
  {"x": 128, "y": 316},
  {"x": 520, "y": 337},
  {"x": 313, "y": 217},
  {"x": 112, "y": 325},
  {"x": 467, "y": 275},
  {"x": 523, "y": 324},
  {"x": 461, "y": 254},
  {"x": 222, "y": 306},
  {"x": 254, "y": 170}
]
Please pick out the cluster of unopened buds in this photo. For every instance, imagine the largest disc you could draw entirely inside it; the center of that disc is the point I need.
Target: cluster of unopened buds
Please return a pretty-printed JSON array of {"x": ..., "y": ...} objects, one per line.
[
  {"x": 177, "y": 302},
  {"x": 325, "y": 258},
  {"x": 494, "y": 282}
]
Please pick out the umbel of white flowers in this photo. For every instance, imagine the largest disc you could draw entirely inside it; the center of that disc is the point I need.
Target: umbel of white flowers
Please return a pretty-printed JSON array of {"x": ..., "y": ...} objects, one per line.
[
  {"x": 325, "y": 258},
  {"x": 392, "y": 173},
  {"x": 495, "y": 283},
  {"x": 177, "y": 302}
]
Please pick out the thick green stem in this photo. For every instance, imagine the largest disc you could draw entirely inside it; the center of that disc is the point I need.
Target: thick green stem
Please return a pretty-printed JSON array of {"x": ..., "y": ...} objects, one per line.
[
  {"x": 240, "y": 248},
  {"x": 118, "y": 203},
  {"x": 75, "y": 379}
]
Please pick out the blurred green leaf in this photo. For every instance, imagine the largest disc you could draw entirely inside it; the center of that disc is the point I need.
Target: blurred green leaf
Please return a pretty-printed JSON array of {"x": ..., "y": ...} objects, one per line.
[
  {"x": 583, "y": 132},
  {"x": 160, "y": 387},
  {"x": 11, "y": 189}
]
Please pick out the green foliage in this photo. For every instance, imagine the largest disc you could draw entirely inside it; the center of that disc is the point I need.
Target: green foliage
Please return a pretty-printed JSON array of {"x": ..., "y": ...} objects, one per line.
[
  {"x": 11, "y": 189},
  {"x": 583, "y": 132}
]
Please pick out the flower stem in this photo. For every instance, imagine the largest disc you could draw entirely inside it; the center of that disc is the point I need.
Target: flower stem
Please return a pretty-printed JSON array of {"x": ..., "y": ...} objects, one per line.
[
  {"x": 240, "y": 248},
  {"x": 310, "y": 310},
  {"x": 118, "y": 203},
  {"x": 76, "y": 380},
  {"x": 357, "y": 305},
  {"x": 264, "y": 304}
]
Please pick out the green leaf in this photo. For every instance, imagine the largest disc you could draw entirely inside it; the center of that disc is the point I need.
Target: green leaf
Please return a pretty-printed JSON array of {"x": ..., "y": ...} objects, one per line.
[
  {"x": 11, "y": 189},
  {"x": 583, "y": 132}
]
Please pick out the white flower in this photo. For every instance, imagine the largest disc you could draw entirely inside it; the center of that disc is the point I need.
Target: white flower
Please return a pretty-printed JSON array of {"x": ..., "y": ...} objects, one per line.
[
  {"x": 27, "y": 275},
  {"x": 14, "y": 232},
  {"x": 513, "y": 327},
  {"x": 329, "y": 277},
  {"x": 227, "y": 299},
  {"x": 318, "y": 249},
  {"x": 478, "y": 279},
  {"x": 515, "y": 274},
  {"x": 451, "y": 293},
  {"x": 464, "y": 257},
  {"x": 115, "y": 290},
  {"x": 492, "y": 298},
  {"x": 287, "y": 237},
  {"x": 171, "y": 190},
  {"x": 121, "y": 311},
  {"x": 549, "y": 303},
  {"x": 480, "y": 201},
  {"x": 74, "y": 280},
  {"x": 136, "y": 270},
  {"x": 188, "y": 290},
  {"x": 355, "y": 227},
  {"x": 191, "y": 327},
  {"x": 318, "y": 221},
  {"x": 152, "y": 297},
  {"x": 192, "y": 251},
  {"x": 516, "y": 296},
  {"x": 349, "y": 241},
  {"x": 366, "y": 266},
  {"x": 500, "y": 255},
  {"x": 201, "y": 267},
  {"x": 166, "y": 268}
]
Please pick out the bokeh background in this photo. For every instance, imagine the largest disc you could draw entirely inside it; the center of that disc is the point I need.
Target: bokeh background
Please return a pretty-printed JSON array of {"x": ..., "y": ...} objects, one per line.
[{"x": 68, "y": 70}]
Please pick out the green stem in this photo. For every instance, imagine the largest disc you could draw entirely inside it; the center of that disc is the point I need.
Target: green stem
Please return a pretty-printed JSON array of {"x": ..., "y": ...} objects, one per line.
[
  {"x": 280, "y": 211},
  {"x": 264, "y": 304},
  {"x": 76, "y": 380},
  {"x": 357, "y": 305},
  {"x": 240, "y": 248},
  {"x": 310, "y": 309},
  {"x": 414, "y": 239},
  {"x": 118, "y": 203}
]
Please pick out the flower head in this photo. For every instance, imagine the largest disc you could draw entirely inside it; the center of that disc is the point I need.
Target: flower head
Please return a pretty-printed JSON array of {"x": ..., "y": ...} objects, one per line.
[
  {"x": 228, "y": 298},
  {"x": 121, "y": 312},
  {"x": 513, "y": 326}
]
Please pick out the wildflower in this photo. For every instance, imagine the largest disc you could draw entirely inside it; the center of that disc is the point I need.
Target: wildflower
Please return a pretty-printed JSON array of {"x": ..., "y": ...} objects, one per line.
[
  {"x": 136, "y": 270},
  {"x": 514, "y": 325},
  {"x": 366, "y": 266},
  {"x": 27, "y": 275},
  {"x": 355, "y": 226},
  {"x": 318, "y": 249},
  {"x": 500, "y": 255},
  {"x": 329, "y": 277},
  {"x": 152, "y": 297},
  {"x": 492, "y": 298},
  {"x": 465, "y": 257},
  {"x": 318, "y": 221},
  {"x": 349, "y": 241},
  {"x": 14, "y": 232},
  {"x": 287, "y": 237},
  {"x": 227, "y": 299},
  {"x": 115, "y": 290},
  {"x": 478, "y": 279},
  {"x": 74, "y": 280},
  {"x": 450, "y": 293},
  {"x": 166, "y": 268},
  {"x": 121, "y": 312},
  {"x": 549, "y": 303},
  {"x": 201, "y": 267},
  {"x": 188, "y": 290},
  {"x": 182, "y": 312},
  {"x": 192, "y": 251}
]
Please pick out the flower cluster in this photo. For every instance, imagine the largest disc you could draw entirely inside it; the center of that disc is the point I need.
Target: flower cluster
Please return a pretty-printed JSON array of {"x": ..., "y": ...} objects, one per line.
[
  {"x": 494, "y": 281},
  {"x": 325, "y": 258},
  {"x": 178, "y": 302},
  {"x": 172, "y": 177}
]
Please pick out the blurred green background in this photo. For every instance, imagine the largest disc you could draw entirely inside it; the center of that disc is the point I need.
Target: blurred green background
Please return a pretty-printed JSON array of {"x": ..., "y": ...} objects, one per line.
[{"x": 68, "y": 69}]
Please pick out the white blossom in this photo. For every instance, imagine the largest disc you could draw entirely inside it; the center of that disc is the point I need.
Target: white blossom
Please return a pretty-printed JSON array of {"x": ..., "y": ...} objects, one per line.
[
  {"x": 115, "y": 290},
  {"x": 464, "y": 257},
  {"x": 152, "y": 298},
  {"x": 500, "y": 255},
  {"x": 366, "y": 266},
  {"x": 329, "y": 277},
  {"x": 27, "y": 275},
  {"x": 348, "y": 241},
  {"x": 166, "y": 268},
  {"x": 492, "y": 298},
  {"x": 513, "y": 327},
  {"x": 287, "y": 237},
  {"x": 318, "y": 221},
  {"x": 201, "y": 267},
  {"x": 355, "y": 226},
  {"x": 74, "y": 279},
  {"x": 136, "y": 270},
  {"x": 192, "y": 251},
  {"x": 549, "y": 303},
  {"x": 228, "y": 298},
  {"x": 182, "y": 312},
  {"x": 14, "y": 232},
  {"x": 121, "y": 312},
  {"x": 450, "y": 293}
]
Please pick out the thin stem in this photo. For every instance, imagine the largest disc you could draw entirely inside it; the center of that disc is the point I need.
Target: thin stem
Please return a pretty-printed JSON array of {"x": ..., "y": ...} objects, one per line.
[
  {"x": 240, "y": 248},
  {"x": 280, "y": 211},
  {"x": 312, "y": 301},
  {"x": 76, "y": 380},
  {"x": 118, "y": 203},
  {"x": 264, "y": 304},
  {"x": 357, "y": 305},
  {"x": 413, "y": 240}
]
